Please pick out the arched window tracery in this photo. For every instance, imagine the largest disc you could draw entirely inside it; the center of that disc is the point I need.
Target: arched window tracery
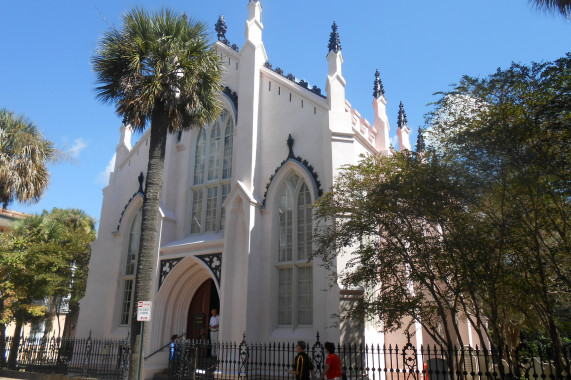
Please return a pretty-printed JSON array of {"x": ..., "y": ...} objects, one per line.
[
  {"x": 212, "y": 174},
  {"x": 295, "y": 273},
  {"x": 130, "y": 267}
]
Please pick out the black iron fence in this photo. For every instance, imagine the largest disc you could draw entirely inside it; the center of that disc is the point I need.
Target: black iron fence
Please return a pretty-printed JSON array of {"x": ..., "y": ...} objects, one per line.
[
  {"x": 198, "y": 359},
  {"x": 82, "y": 357}
]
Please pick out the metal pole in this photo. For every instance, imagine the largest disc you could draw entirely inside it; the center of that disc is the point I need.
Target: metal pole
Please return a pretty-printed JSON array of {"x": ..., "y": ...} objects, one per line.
[
  {"x": 139, "y": 370},
  {"x": 195, "y": 362}
]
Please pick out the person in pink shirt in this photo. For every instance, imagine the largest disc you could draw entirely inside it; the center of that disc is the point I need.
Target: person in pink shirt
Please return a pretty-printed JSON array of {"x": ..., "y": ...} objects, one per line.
[{"x": 332, "y": 368}]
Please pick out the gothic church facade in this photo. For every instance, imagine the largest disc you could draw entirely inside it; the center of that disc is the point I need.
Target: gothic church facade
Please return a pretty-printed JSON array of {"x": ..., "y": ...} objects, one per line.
[{"x": 236, "y": 220}]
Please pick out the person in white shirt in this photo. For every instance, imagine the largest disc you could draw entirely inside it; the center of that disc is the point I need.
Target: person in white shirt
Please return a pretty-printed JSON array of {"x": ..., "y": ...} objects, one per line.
[{"x": 213, "y": 326}]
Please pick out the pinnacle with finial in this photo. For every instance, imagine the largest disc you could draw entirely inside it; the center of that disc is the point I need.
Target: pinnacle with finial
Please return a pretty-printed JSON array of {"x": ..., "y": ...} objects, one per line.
[
  {"x": 378, "y": 88},
  {"x": 402, "y": 116},
  {"x": 221, "y": 28},
  {"x": 334, "y": 42},
  {"x": 420, "y": 145}
]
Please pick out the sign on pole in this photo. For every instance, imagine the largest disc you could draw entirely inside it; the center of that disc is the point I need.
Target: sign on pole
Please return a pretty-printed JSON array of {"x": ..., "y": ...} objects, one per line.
[{"x": 144, "y": 311}]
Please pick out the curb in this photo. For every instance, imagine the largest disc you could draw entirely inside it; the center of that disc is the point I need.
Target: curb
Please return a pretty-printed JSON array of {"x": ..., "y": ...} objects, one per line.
[{"x": 37, "y": 376}]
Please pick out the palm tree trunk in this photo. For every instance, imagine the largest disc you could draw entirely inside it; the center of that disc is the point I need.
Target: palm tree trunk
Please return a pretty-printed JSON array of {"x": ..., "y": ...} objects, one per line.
[{"x": 149, "y": 233}]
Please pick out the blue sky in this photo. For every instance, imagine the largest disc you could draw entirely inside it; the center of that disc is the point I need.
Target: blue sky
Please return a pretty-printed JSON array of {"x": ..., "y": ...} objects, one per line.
[{"x": 419, "y": 47}]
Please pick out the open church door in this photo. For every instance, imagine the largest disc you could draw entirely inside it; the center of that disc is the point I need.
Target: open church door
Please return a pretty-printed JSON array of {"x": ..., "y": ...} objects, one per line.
[{"x": 205, "y": 299}]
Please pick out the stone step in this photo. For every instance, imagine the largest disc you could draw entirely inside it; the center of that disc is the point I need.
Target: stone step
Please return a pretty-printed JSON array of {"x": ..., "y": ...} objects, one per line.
[{"x": 164, "y": 375}]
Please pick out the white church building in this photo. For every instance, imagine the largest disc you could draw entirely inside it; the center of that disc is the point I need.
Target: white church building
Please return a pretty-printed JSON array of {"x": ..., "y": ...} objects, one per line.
[{"x": 236, "y": 219}]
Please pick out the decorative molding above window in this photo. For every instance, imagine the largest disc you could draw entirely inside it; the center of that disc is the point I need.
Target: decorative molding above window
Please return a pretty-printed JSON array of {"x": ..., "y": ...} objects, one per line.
[
  {"x": 233, "y": 97},
  {"x": 141, "y": 179},
  {"x": 213, "y": 261},
  {"x": 299, "y": 160}
]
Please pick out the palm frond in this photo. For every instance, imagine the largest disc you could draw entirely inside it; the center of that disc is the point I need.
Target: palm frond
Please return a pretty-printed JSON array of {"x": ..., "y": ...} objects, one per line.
[
  {"x": 24, "y": 156},
  {"x": 160, "y": 61},
  {"x": 561, "y": 6}
]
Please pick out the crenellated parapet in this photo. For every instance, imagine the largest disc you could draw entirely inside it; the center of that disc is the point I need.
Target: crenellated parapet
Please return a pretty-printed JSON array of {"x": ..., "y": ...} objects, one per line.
[{"x": 362, "y": 126}]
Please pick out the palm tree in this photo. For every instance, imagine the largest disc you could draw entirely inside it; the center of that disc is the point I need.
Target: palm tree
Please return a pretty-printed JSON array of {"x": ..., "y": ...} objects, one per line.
[
  {"x": 24, "y": 157},
  {"x": 561, "y": 6},
  {"x": 158, "y": 68}
]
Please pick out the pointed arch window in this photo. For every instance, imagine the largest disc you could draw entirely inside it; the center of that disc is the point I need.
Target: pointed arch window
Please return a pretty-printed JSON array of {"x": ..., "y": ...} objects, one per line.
[
  {"x": 295, "y": 273},
  {"x": 130, "y": 267},
  {"x": 212, "y": 174}
]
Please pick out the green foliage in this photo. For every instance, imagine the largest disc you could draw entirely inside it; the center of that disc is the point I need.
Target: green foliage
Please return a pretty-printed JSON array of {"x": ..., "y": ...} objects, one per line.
[
  {"x": 160, "y": 62},
  {"x": 46, "y": 257},
  {"x": 24, "y": 156},
  {"x": 476, "y": 227},
  {"x": 517, "y": 150}
]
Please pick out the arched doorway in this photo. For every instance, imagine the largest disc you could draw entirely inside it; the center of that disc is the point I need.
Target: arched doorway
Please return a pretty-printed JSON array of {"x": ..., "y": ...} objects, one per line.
[{"x": 204, "y": 299}]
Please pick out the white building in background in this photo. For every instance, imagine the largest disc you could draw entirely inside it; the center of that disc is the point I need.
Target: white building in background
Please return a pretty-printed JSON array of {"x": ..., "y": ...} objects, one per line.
[{"x": 236, "y": 226}]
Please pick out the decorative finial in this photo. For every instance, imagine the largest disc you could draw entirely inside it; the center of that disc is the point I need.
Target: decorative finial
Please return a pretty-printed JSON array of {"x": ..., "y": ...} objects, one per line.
[
  {"x": 290, "y": 146},
  {"x": 402, "y": 116},
  {"x": 378, "y": 88},
  {"x": 334, "y": 42},
  {"x": 221, "y": 28},
  {"x": 420, "y": 145},
  {"x": 141, "y": 178}
]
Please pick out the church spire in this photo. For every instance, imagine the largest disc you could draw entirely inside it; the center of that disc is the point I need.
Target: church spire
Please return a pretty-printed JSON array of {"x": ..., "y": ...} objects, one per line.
[
  {"x": 334, "y": 42},
  {"x": 402, "y": 122},
  {"x": 378, "y": 88}
]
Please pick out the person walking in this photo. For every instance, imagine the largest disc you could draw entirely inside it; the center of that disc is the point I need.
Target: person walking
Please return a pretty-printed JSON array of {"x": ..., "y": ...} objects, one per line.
[
  {"x": 303, "y": 367},
  {"x": 332, "y": 368},
  {"x": 174, "y": 355}
]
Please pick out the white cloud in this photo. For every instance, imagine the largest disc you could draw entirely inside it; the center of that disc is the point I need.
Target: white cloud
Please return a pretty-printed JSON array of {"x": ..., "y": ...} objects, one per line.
[
  {"x": 103, "y": 177},
  {"x": 394, "y": 141},
  {"x": 78, "y": 145}
]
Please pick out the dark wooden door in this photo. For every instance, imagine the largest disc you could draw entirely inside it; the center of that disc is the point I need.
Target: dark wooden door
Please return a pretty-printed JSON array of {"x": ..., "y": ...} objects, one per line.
[{"x": 199, "y": 313}]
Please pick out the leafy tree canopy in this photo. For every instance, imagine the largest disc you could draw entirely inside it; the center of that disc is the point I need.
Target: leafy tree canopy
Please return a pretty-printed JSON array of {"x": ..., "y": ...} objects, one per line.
[
  {"x": 45, "y": 257},
  {"x": 477, "y": 226}
]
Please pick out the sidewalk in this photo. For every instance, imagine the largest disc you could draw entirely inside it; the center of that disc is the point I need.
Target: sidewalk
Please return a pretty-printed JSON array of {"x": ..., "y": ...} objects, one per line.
[{"x": 17, "y": 375}]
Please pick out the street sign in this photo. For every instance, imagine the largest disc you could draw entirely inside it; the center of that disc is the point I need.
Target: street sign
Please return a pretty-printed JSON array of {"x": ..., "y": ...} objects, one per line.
[{"x": 144, "y": 311}]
